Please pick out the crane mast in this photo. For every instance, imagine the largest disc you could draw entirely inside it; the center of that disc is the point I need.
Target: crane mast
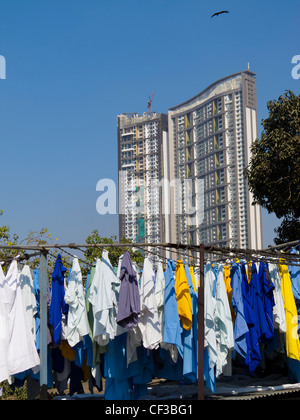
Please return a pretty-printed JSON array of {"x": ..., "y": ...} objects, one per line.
[{"x": 149, "y": 106}]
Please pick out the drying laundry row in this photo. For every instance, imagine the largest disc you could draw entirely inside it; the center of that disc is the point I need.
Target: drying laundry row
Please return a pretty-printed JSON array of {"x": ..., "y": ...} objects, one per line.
[{"x": 130, "y": 325}]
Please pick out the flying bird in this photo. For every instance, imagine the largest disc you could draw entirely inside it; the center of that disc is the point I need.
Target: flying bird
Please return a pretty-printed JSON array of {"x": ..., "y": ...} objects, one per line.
[{"x": 219, "y": 13}]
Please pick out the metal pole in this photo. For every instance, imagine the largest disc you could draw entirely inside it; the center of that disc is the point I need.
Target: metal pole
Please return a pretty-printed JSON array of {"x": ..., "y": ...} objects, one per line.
[
  {"x": 43, "y": 326},
  {"x": 201, "y": 327}
]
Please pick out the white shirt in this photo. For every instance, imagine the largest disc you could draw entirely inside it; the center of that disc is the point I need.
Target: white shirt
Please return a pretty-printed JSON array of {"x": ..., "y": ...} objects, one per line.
[
  {"x": 77, "y": 324},
  {"x": 209, "y": 316},
  {"x": 2, "y": 276},
  {"x": 4, "y": 374},
  {"x": 21, "y": 349},
  {"x": 103, "y": 300},
  {"x": 148, "y": 319},
  {"x": 29, "y": 299},
  {"x": 278, "y": 309}
]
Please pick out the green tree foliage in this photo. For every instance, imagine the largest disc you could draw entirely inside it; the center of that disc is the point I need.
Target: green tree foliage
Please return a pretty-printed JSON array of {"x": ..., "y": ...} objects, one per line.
[
  {"x": 6, "y": 238},
  {"x": 40, "y": 237},
  {"x": 274, "y": 170},
  {"x": 288, "y": 231},
  {"x": 114, "y": 252}
]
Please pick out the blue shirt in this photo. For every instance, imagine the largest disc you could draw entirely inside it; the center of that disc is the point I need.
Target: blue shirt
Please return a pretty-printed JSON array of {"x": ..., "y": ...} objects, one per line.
[
  {"x": 58, "y": 305},
  {"x": 253, "y": 357},
  {"x": 263, "y": 293}
]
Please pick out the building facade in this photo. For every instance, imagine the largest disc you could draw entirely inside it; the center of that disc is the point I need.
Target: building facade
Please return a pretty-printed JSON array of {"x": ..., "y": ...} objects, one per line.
[
  {"x": 209, "y": 144},
  {"x": 140, "y": 163}
]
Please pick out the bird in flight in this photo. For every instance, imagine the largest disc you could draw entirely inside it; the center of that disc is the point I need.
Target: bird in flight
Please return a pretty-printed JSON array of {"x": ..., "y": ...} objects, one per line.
[{"x": 219, "y": 13}]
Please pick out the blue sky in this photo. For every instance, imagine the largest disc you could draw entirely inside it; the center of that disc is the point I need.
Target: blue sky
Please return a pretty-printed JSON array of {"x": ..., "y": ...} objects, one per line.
[{"x": 74, "y": 65}]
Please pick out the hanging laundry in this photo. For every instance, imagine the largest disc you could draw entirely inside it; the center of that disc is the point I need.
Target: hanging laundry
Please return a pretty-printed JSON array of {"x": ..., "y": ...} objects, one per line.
[
  {"x": 240, "y": 324},
  {"x": 58, "y": 305},
  {"x": 264, "y": 322},
  {"x": 103, "y": 300},
  {"x": 268, "y": 288},
  {"x": 4, "y": 371},
  {"x": 29, "y": 299},
  {"x": 160, "y": 294},
  {"x": 223, "y": 323},
  {"x": 278, "y": 309},
  {"x": 209, "y": 315},
  {"x": 190, "y": 337},
  {"x": 183, "y": 297},
  {"x": 118, "y": 383},
  {"x": 77, "y": 323},
  {"x": 129, "y": 298},
  {"x": 227, "y": 280},
  {"x": 36, "y": 283},
  {"x": 195, "y": 282},
  {"x": 253, "y": 357},
  {"x": 210, "y": 343},
  {"x": 148, "y": 319},
  {"x": 116, "y": 290},
  {"x": 172, "y": 328},
  {"x": 292, "y": 338},
  {"x": 147, "y": 331},
  {"x": 88, "y": 305},
  {"x": 21, "y": 349},
  {"x": 294, "y": 271}
]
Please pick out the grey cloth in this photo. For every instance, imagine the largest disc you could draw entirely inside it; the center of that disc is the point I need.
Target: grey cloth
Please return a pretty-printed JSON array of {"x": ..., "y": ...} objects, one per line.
[{"x": 129, "y": 305}]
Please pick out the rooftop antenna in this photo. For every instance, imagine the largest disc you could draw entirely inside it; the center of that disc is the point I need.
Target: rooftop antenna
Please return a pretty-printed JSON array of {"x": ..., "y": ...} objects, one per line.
[
  {"x": 248, "y": 65},
  {"x": 149, "y": 105}
]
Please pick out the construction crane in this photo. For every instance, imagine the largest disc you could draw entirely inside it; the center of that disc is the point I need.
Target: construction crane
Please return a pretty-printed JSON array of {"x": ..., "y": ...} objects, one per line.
[{"x": 149, "y": 106}]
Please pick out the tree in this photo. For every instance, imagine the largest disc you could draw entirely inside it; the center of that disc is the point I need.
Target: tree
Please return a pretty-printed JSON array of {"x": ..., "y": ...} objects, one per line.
[
  {"x": 34, "y": 238},
  {"x": 274, "y": 170},
  {"x": 7, "y": 239},
  {"x": 288, "y": 231},
  {"x": 114, "y": 252}
]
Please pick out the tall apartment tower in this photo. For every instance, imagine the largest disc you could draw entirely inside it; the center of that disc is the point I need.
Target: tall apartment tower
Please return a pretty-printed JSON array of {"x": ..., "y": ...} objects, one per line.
[
  {"x": 141, "y": 166},
  {"x": 209, "y": 139}
]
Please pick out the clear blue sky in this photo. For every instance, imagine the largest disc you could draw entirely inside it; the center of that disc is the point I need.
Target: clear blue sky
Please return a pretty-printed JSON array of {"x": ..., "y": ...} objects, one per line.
[{"x": 74, "y": 65}]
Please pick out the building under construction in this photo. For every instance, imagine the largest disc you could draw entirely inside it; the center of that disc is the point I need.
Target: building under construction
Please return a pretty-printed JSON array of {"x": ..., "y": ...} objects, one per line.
[{"x": 141, "y": 139}]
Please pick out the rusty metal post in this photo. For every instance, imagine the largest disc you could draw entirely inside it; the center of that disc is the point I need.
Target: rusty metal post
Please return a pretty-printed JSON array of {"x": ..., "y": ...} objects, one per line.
[{"x": 201, "y": 327}]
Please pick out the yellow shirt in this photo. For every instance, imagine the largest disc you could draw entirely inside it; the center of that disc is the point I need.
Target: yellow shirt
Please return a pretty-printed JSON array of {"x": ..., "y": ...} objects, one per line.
[
  {"x": 183, "y": 296},
  {"x": 193, "y": 278},
  {"x": 291, "y": 315}
]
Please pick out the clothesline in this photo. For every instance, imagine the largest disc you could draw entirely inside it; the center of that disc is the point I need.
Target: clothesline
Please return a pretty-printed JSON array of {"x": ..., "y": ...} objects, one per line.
[
  {"x": 216, "y": 250},
  {"x": 44, "y": 250}
]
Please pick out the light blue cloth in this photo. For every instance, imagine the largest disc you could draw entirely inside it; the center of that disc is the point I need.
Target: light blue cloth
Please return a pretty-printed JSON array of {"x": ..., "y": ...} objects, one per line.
[
  {"x": 124, "y": 382},
  {"x": 294, "y": 271},
  {"x": 209, "y": 374},
  {"x": 36, "y": 283},
  {"x": 172, "y": 327}
]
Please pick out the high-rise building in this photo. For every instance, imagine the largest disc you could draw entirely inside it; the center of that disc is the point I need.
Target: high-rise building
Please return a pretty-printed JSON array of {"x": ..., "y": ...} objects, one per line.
[
  {"x": 141, "y": 139},
  {"x": 209, "y": 141}
]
